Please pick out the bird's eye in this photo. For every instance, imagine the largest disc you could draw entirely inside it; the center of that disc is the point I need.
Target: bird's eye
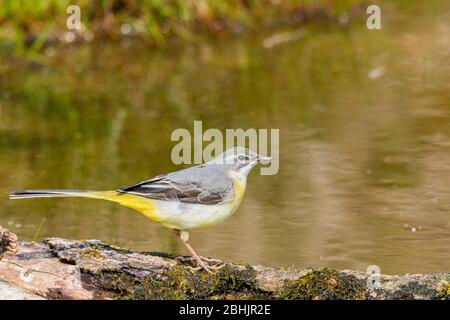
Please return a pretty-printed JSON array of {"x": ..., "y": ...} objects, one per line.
[{"x": 242, "y": 158}]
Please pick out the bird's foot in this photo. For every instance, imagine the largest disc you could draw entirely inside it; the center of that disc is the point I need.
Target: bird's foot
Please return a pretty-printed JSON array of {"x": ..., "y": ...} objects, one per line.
[
  {"x": 203, "y": 263},
  {"x": 208, "y": 268},
  {"x": 193, "y": 259}
]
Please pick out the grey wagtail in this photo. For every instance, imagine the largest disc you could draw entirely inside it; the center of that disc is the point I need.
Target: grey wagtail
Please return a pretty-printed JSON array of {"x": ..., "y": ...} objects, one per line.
[{"x": 195, "y": 197}]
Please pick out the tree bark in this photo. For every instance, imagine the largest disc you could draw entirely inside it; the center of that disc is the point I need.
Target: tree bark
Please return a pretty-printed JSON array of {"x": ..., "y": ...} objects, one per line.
[{"x": 70, "y": 269}]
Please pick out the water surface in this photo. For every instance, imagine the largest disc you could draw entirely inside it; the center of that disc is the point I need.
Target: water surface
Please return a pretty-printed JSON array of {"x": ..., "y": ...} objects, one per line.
[{"x": 364, "y": 121}]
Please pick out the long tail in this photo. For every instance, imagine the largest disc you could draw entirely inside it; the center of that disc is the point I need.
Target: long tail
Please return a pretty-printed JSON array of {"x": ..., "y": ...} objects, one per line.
[
  {"x": 52, "y": 193},
  {"x": 136, "y": 202}
]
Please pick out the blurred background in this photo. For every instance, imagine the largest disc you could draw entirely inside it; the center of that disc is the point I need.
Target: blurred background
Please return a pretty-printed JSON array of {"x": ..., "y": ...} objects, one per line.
[{"x": 364, "y": 119}]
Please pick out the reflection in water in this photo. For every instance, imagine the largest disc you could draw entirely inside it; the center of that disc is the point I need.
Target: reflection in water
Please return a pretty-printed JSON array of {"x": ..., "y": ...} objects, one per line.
[{"x": 364, "y": 124}]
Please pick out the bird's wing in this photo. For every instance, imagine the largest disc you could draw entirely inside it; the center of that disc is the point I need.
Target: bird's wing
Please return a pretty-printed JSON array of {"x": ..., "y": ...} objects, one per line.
[{"x": 199, "y": 185}]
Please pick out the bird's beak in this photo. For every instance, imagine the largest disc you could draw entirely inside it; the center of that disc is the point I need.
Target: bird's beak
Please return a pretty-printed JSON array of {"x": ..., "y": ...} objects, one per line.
[{"x": 262, "y": 159}]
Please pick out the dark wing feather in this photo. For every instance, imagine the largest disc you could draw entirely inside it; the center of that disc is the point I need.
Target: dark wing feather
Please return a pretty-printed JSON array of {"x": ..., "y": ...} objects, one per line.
[{"x": 192, "y": 185}]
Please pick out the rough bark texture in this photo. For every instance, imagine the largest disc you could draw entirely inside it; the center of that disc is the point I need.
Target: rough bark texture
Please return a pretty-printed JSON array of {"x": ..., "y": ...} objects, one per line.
[
  {"x": 8, "y": 241},
  {"x": 66, "y": 269}
]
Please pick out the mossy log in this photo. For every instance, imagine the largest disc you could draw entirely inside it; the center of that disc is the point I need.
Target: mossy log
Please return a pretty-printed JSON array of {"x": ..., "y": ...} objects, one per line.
[{"x": 68, "y": 269}]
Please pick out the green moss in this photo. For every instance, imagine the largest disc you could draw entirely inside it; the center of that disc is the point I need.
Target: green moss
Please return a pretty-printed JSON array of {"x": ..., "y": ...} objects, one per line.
[
  {"x": 324, "y": 284},
  {"x": 233, "y": 282},
  {"x": 230, "y": 282}
]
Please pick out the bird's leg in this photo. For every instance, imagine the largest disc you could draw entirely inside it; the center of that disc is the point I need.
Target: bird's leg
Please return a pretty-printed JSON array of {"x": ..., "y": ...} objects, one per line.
[{"x": 184, "y": 237}]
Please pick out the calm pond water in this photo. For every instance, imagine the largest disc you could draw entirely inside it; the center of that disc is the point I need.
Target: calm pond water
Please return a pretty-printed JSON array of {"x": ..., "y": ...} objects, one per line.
[{"x": 364, "y": 119}]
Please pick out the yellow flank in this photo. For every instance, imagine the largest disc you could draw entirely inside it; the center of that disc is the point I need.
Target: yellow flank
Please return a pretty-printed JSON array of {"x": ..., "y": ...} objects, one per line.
[{"x": 141, "y": 204}]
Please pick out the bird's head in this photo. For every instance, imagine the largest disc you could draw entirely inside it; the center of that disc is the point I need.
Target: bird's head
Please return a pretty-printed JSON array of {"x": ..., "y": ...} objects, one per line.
[{"x": 240, "y": 160}]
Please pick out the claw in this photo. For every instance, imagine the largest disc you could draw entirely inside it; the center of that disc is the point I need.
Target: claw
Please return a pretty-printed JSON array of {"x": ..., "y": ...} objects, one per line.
[
  {"x": 205, "y": 267},
  {"x": 202, "y": 264},
  {"x": 212, "y": 260},
  {"x": 209, "y": 268},
  {"x": 193, "y": 259}
]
